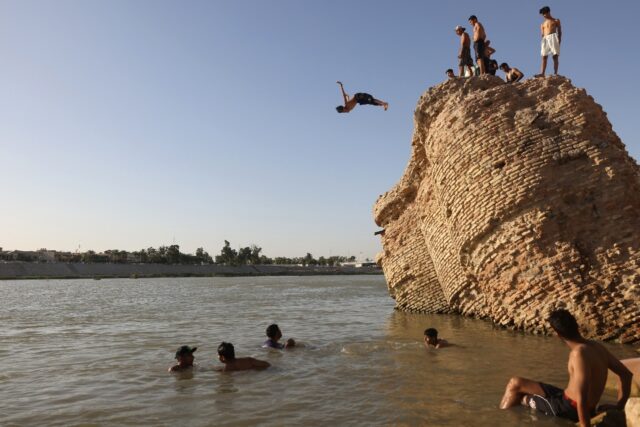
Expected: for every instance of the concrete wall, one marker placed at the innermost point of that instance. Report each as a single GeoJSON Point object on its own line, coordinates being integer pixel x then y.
{"type": "Point", "coordinates": [23, 270]}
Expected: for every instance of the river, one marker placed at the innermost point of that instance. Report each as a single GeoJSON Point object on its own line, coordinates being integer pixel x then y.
{"type": "Point", "coordinates": [96, 352]}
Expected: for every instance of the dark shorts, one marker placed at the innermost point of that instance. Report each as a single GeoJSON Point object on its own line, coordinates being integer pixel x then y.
{"type": "Point", "coordinates": [364, 99]}
{"type": "Point", "coordinates": [465, 57]}
{"type": "Point", "coordinates": [478, 47]}
{"type": "Point", "coordinates": [554, 402]}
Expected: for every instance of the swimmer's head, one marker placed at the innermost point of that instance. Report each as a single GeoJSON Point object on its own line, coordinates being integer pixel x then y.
{"type": "Point", "coordinates": [450, 74]}
{"type": "Point", "coordinates": [273, 332]}
{"type": "Point", "coordinates": [431, 336]}
{"type": "Point", "coordinates": [226, 352]}
{"type": "Point", "coordinates": [290, 343]}
{"type": "Point", "coordinates": [340, 108]}
{"type": "Point", "coordinates": [184, 355]}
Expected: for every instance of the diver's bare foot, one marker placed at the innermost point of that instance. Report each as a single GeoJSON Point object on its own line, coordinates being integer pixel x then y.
{"type": "Point", "coordinates": [385, 105]}
{"type": "Point", "coordinates": [539, 75]}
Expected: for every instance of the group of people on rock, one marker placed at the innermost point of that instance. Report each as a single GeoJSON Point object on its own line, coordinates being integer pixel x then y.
{"type": "Point", "coordinates": [550, 30]}
{"type": "Point", "coordinates": [588, 367]}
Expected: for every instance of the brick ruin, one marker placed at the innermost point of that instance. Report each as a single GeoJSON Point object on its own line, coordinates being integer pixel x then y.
{"type": "Point", "coordinates": [517, 199]}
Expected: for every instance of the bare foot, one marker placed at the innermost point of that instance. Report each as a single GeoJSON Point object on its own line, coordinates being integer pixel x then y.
{"type": "Point", "coordinates": [386, 105]}
{"type": "Point", "coordinates": [539, 75]}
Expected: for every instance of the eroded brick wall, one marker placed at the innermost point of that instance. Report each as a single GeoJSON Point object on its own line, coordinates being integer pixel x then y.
{"type": "Point", "coordinates": [517, 199]}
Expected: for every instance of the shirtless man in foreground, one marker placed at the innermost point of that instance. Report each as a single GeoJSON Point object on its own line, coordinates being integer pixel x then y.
{"type": "Point", "coordinates": [464, 54]}
{"type": "Point", "coordinates": [358, 99]}
{"type": "Point", "coordinates": [551, 32]}
{"type": "Point", "coordinates": [479, 36]}
{"type": "Point", "coordinates": [227, 355]}
{"type": "Point", "coordinates": [588, 364]}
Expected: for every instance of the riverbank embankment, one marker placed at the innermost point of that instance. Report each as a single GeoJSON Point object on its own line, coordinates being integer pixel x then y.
{"type": "Point", "coordinates": [28, 270]}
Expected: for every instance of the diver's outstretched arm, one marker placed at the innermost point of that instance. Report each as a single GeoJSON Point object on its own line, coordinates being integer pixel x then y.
{"type": "Point", "coordinates": [344, 94]}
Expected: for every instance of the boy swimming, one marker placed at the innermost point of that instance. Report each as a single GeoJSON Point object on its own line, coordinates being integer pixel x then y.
{"type": "Point", "coordinates": [227, 355]}
{"type": "Point", "coordinates": [431, 339]}
{"type": "Point", "coordinates": [184, 356]}
{"type": "Point", "coordinates": [274, 334]}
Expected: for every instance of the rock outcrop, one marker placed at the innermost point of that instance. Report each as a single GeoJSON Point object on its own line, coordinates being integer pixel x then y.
{"type": "Point", "coordinates": [517, 199]}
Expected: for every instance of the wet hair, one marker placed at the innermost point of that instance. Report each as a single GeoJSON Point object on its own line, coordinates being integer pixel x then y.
{"type": "Point", "coordinates": [226, 349]}
{"type": "Point", "coordinates": [504, 65]}
{"type": "Point", "coordinates": [473, 17]}
{"type": "Point", "coordinates": [431, 333]}
{"type": "Point", "coordinates": [272, 330]}
{"type": "Point", "coordinates": [545, 10]}
{"type": "Point", "coordinates": [564, 324]}
{"type": "Point", "coordinates": [340, 109]}
{"type": "Point", "coordinates": [448, 71]}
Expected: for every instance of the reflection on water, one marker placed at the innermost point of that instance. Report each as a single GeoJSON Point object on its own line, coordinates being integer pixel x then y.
{"type": "Point", "coordinates": [96, 352]}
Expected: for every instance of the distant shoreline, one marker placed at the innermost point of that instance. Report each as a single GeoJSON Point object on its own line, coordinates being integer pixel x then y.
{"type": "Point", "coordinates": [35, 271]}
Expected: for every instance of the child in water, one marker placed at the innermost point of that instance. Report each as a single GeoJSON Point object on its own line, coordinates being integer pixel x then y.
{"type": "Point", "coordinates": [274, 334]}
{"type": "Point", "coordinates": [431, 339]}
{"type": "Point", "coordinates": [184, 356]}
{"type": "Point", "coordinates": [227, 355]}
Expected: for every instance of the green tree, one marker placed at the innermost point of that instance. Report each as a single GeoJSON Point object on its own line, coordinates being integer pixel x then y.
{"type": "Point", "coordinates": [227, 255]}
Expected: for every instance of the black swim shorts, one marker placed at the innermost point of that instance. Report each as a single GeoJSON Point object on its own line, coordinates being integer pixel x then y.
{"type": "Point", "coordinates": [364, 99]}
{"type": "Point", "coordinates": [478, 46]}
{"type": "Point", "coordinates": [465, 57]}
{"type": "Point", "coordinates": [554, 402]}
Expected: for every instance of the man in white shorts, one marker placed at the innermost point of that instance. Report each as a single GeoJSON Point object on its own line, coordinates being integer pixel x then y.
{"type": "Point", "coordinates": [551, 37]}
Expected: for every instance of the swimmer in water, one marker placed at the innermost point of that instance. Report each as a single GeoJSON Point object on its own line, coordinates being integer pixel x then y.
{"type": "Point", "coordinates": [227, 355]}
{"type": "Point", "coordinates": [274, 334]}
{"type": "Point", "coordinates": [184, 356]}
{"type": "Point", "coordinates": [431, 339]}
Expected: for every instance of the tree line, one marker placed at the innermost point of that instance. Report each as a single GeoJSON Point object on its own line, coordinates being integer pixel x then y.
{"type": "Point", "coordinates": [249, 255]}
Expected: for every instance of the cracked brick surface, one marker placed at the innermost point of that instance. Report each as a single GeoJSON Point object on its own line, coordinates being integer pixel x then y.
{"type": "Point", "coordinates": [517, 199]}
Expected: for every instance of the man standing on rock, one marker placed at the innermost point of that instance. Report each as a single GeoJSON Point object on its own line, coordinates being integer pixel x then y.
{"type": "Point", "coordinates": [479, 36]}
{"type": "Point", "coordinates": [464, 55]}
{"type": "Point", "coordinates": [588, 364]}
{"type": "Point", "coordinates": [551, 32]}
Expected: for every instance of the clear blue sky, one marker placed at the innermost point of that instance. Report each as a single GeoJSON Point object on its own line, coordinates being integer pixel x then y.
{"type": "Point", "coordinates": [128, 124]}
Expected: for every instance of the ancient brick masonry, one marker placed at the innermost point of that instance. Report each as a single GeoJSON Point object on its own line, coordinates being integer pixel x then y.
{"type": "Point", "coordinates": [517, 199]}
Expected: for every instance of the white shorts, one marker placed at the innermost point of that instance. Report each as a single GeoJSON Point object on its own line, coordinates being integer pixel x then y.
{"type": "Point", "coordinates": [550, 45]}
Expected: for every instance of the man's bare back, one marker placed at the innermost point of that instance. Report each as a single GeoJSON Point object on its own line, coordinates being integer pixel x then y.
{"type": "Point", "coordinates": [588, 363]}
{"type": "Point", "coordinates": [244, 364]}
{"type": "Point", "coordinates": [550, 26]}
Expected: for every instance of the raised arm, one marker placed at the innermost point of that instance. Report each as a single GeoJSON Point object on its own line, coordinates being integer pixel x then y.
{"type": "Point", "coordinates": [344, 94]}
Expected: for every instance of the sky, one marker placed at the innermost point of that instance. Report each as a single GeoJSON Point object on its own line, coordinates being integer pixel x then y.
{"type": "Point", "coordinates": [129, 124]}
